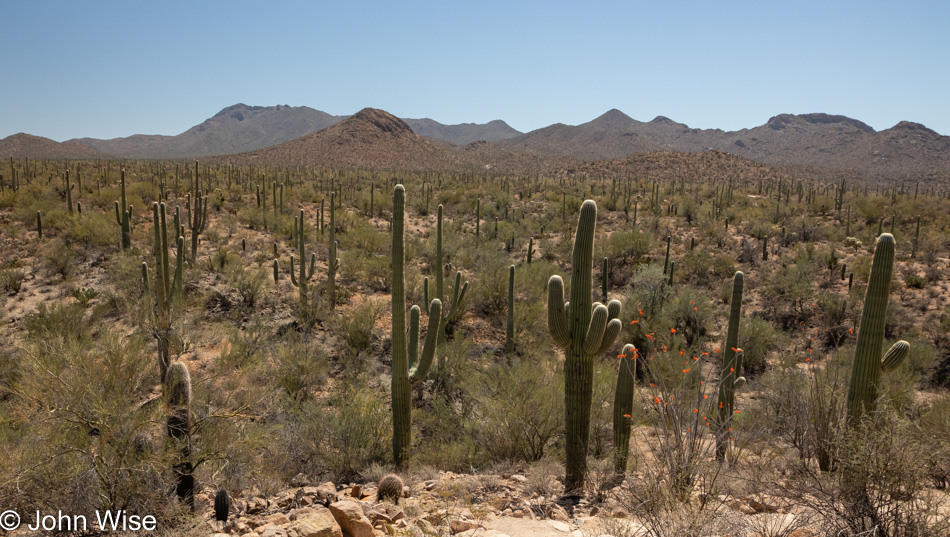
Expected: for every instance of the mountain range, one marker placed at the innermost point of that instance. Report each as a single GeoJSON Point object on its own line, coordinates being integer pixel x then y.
{"type": "Point", "coordinates": [377, 139]}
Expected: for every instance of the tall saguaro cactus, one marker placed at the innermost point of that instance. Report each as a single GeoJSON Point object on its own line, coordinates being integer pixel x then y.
{"type": "Point", "coordinates": [868, 363]}
{"type": "Point", "coordinates": [453, 309]}
{"type": "Point", "coordinates": [305, 273]}
{"type": "Point", "coordinates": [584, 329]}
{"type": "Point", "coordinates": [408, 366]}
{"type": "Point", "coordinates": [123, 217]}
{"type": "Point", "coordinates": [623, 407]}
{"type": "Point", "coordinates": [729, 379]}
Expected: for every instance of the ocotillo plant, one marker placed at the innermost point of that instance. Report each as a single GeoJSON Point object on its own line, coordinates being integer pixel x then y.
{"type": "Point", "coordinates": [584, 330]}
{"type": "Point", "coordinates": [305, 274]}
{"type": "Point", "coordinates": [729, 379]}
{"type": "Point", "coordinates": [868, 364]}
{"type": "Point", "coordinates": [124, 217]}
{"type": "Point", "coordinates": [623, 407]}
{"type": "Point", "coordinates": [178, 428]}
{"type": "Point", "coordinates": [407, 367]}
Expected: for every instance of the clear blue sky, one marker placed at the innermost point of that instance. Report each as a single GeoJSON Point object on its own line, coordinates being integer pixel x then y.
{"type": "Point", "coordinates": [107, 69]}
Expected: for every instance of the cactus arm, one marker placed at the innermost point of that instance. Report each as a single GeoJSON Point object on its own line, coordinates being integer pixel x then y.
{"type": "Point", "coordinates": [313, 263]}
{"type": "Point", "coordinates": [614, 326]}
{"type": "Point", "coordinates": [596, 329]}
{"type": "Point", "coordinates": [413, 349]}
{"type": "Point", "coordinates": [557, 318]}
{"type": "Point", "coordinates": [428, 350]}
{"type": "Point", "coordinates": [425, 294]}
{"type": "Point", "coordinates": [895, 356]}
{"type": "Point", "coordinates": [293, 275]}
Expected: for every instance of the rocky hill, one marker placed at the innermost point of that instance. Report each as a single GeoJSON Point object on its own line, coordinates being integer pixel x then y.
{"type": "Point", "coordinates": [818, 140]}
{"type": "Point", "coordinates": [375, 139]}
{"type": "Point", "coordinates": [241, 128]}
{"type": "Point", "coordinates": [36, 147]}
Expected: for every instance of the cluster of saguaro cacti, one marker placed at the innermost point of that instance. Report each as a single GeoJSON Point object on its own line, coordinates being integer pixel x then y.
{"type": "Point", "coordinates": [868, 363]}
{"type": "Point", "coordinates": [584, 329]}
{"type": "Point", "coordinates": [167, 286]}
{"type": "Point", "coordinates": [197, 215]}
{"type": "Point", "coordinates": [300, 282]}
{"type": "Point", "coordinates": [729, 379]}
{"type": "Point", "coordinates": [408, 365]}
{"type": "Point", "coordinates": [623, 407]}
{"type": "Point", "coordinates": [178, 428]}
{"type": "Point", "coordinates": [123, 217]}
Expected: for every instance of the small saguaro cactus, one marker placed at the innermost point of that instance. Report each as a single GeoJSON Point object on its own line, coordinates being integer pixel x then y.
{"type": "Point", "coordinates": [178, 428]}
{"type": "Point", "coordinates": [530, 249]}
{"type": "Point", "coordinates": [305, 273]}
{"type": "Point", "coordinates": [123, 217]}
{"type": "Point", "coordinates": [729, 379]}
{"type": "Point", "coordinates": [408, 366]}
{"type": "Point", "coordinates": [39, 225]}
{"type": "Point", "coordinates": [334, 262]}
{"type": "Point", "coordinates": [510, 330]}
{"type": "Point", "coordinates": [623, 407]}
{"type": "Point", "coordinates": [868, 363]}
{"type": "Point", "coordinates": [584, 329]}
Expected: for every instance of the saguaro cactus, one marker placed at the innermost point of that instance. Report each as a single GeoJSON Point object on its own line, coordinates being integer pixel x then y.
{"type": "Point", "coordinates": [623, 407]}
{"type": "Point", "coordinates": [305, 274]}
{"type": "Point", "coordinates": [178, 428]}
{"type": "Point", "coordinates": [408, 367]}
{"type": "Point", "coordinates": [868, 363]}
{"type": "Point", "coordinates": [729, 379]}
{"type": "Point", "coordinates": [123, 217]}
{"type": "Point", "coordinates": [583, 329]}
{"type": "Point", "coordinates": [510, 330]}
{"type": "Point", "coordinates": [334, 262]}
{"type": "Point", "coordinates": [452, 310]}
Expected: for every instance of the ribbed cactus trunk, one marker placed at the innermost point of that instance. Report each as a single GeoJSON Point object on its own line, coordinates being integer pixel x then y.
{"type": "Point", "coordinates": [178, 428]}
{"type": "Point", "coordinates": [583, 334]}
{"type": "Point", "coordinates": [405, 352]}
{"type": "Point", "coordinates": [510, 329]}
{"type": "Point", "coordinates": [623, 407]}
{"type": "Point", "coordinates": [868, 363]}
{"type": "Point", "coordinates": [333, 263]}
{"type": "Point", "coordinates": [123, 216]}
{"type": "Point", "coordinates": [731, 369]}
{"type": "Point", "coordinates": [401, 395]}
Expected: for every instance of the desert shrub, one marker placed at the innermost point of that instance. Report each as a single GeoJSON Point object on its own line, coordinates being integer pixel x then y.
{"type": "Point", "coordinates": [519, 410]}
{"type": "Point", "coordinates": [301, 367]}
{"type": "Point", "coordinates": [649, 290]}
{"type": "Point", "coordinates": [250, 284]}
{"type": "Point", "coordinates": [691, 312]}
{"type": "Point", "coordinates": [757, 338]}
{"type": "Point", "coordinates": [357, 329]}
{"type": "Point", "coordinates": [11, 279]}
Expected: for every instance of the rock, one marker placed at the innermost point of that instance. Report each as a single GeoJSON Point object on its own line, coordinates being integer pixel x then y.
{"type": "Point", "coordinates": [301, 512]}
{"type": "Point", "coordinates": [801, 532]}
{"type": "Point", "coordinates": [459, 526]}
{"type": "Point", "coordinates": [356, 492]}
{"type": "Point", "coordinates": [763, 503]}
{"type": "Point", "coordinates": [277, 519]}
{"type": "Point", "coordinates": [556, 512]}
{"type": "Point", "coordinates": [349, 515]}
{"type": "Point", "coordinates": [559, 526]}
{"type": "Point", "coordinates": [319, 524]}
{"type": "Point", "coordinates": [518, 478]}
{"type": "Point", "coordinates": [300, 480]}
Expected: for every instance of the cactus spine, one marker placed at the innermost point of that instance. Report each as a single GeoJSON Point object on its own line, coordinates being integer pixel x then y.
{"type": "Point", "coordinates": [305, 274]}
{"type": "Point", "coordinates": [407, 366]}
{"type": "Point", "coordinates": [868, 364]}
{"type": "Point", "coordinates": [178, 428]}
{"type": "Point", "coordinates": [584, 330]}
{"type": "Point", "coordinates": [623, 407]}
{"type": "Point", "coordinates": [731, 369]}
{"type": "Point", "coordinates": [123, 217]}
